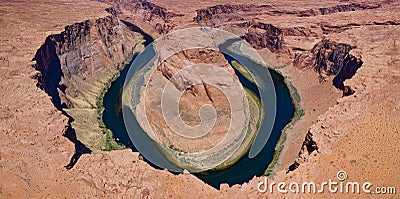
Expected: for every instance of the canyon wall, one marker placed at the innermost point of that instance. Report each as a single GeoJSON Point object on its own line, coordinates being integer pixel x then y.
{"type": "Point", "coordinates": [329, 58]}
{"type": "Point", "coordinates": [261, 35]}
{"type": "Point", "coordinates": [218, 14]}
{"type": "Point", "coordinates": [76, 65]}
{"type": "Point", "coordinates": [156, 20]}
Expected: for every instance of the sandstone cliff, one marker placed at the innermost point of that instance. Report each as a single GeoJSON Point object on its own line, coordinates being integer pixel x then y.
{"type": "Point", "coordinates": [261, 35]}
{"type": "Point", "coordinates": [146, 14]}
{"type": "Point", "coordinates": [75, 65]}
{"type": "Point", "coordinates": [219, 14]}
{"type": "Point", "coordinates": [214, 15]}
{"type": "Point", "coordinates": [329, 58]}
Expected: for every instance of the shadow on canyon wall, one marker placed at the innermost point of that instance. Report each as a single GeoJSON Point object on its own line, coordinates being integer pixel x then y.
{"type": "Point", "coordinates": [148, 39]}
{"type": "Point", "coordinates": [49, 66]}
{"type": "Point", "coordinates": [51, 72]}
{"type": "Point", "coordinates": [80, 148]}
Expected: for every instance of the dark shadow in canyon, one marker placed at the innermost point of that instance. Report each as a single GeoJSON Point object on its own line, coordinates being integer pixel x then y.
{"type": "Point", "coordinates": [348, 70]}
{"type": "Point", "coordinates": [148, 39]}
{"type": "Point", "coordinates": [48, 79]}
{"type": "Point", "coordinates": [330, 58]}
{"type": "Point", "coordinates": [80, 148]}
{"type": "Point", "coordinates": [49, 66]}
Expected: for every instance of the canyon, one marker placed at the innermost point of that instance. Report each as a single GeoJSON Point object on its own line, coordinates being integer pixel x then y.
{"type": "Point", "coordinates": [341, 59]}
{"type": "Point", "coordinates": [74, 67]}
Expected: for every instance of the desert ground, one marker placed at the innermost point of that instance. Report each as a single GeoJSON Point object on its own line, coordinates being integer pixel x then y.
{"type": "Point", "coordinates": [341, 56]}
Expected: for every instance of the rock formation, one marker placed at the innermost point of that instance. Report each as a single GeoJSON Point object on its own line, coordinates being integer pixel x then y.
{"type": "Point", "coordinates": [347, 8]}
{"type": "Point", "coordinates": [143, 12]}
{"type": "Point", "coordinates": [75, 65]}
{"type": "Point", "coordinates": [192, 99]}
{"type": "Point", "coordinates": [214, 15]}
{"type": "Point", "coordinates": [262, 35]}
{"type": "Point", "coordinates": [329, 58]}
{"type": "Point", "coordinates": [214, 84]}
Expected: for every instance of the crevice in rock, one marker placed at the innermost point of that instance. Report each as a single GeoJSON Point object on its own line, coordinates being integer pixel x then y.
{"type": "Point", "coordinates": [48, 79]}
{"type": "Point", "coordinates": [208, 93]}
{"type": "Point", "coordinates": [293, 167]}
{"type": "Point", "coordinates": [80, 148]}
{"type": "Point", "coordinates": [309, 146]}
{"type": "Point", "coordinates": [50, 73]}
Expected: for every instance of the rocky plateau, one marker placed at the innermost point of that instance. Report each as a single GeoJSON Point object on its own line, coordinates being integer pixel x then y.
{"type": "Point", "coordinates": [57, 58]}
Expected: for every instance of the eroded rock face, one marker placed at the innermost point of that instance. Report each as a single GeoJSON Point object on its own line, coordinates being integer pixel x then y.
{"type": "Point", "coordinates": [261, 35]}
{"type": "Point", "coordinates": [219, 14]}
{"type": "Point", "coordinates": [299, 31]}
{"type": "Point", "coordinates": [309, 144]}
{"type": "Point", "coordinates": [329, 58]}
{"type": "Point", "coordinates": [138, 10]}
{"type": "Point", "coordinates": [210, 16]}
{"type": "Point", "coordinates": [149, 10]}
{"type": "Point", "coordinates": [308, 147]}
{"type": "Point", "coordinates": [347, 8]}
{"type": "Point", "coordinates": [81, 49]}
{"type": "Point", "coordinates": [75, 64]}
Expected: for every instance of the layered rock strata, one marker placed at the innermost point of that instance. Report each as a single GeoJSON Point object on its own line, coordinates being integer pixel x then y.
{"type": "Point", "coordinates": [75, 67]}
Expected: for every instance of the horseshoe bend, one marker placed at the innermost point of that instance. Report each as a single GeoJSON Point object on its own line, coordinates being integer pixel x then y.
{"type": "Point", "coordinates": [145, 99]}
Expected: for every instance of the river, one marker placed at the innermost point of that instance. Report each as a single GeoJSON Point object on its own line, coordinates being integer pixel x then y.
{"type": "Point", "coordinates": [246, 168]}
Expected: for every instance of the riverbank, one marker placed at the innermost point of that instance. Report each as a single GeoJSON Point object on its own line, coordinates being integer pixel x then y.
{"type": "Point", "coordinates": [110, 142]}
{"type": "Point", "coordinates": [255, 116]}
{"type": "Point", "coordinates": [298, 113]}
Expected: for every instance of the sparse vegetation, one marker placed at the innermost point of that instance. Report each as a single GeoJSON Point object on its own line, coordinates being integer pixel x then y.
{"type": "Point", "coordinates": [110, 143]}
{"type": "Point", "coordinates": [242, 70]}
{"type": "Point", "coordinates": [299, 112]}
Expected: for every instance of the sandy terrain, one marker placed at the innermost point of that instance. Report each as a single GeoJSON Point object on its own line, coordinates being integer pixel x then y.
{"type": "Point", "coordinates": [358, 133]}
